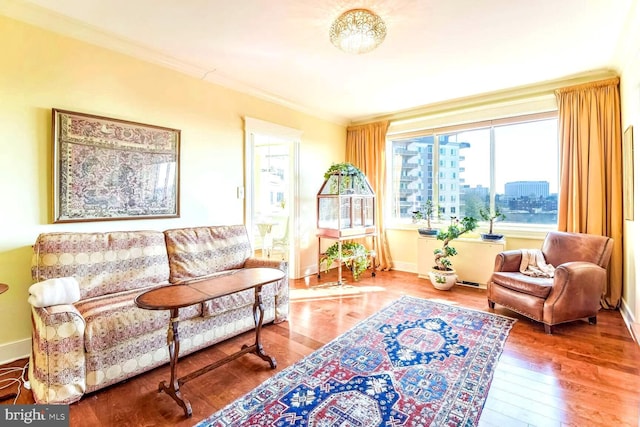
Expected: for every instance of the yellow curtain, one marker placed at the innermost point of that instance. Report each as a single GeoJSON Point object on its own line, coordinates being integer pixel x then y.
{"type": "Point", "coordinates": [591, 169]}
{"type": "Point", "coordinates": [366, 149]}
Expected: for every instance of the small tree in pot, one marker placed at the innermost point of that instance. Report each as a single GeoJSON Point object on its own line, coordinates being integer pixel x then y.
{"type": "Point", "coordinates": [443, 275]}
{"type": "Point", "coordinates": [427, 213]}
{"type": "Point", "coordinates": [491, 217]}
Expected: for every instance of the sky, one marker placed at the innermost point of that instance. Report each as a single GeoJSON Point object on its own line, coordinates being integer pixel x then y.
{"type": "Point", "coordinates": [524, 152]}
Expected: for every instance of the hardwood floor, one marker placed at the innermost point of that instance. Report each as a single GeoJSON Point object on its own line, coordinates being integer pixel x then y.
{"type": "Point", "coordinates": [583, 375]}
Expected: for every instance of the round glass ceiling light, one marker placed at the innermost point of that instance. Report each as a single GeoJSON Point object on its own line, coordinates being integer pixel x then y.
{"type": "Point", "coordinates": [357, 31]}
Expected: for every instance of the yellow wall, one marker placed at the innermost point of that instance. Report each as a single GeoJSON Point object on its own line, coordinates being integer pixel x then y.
{"type": "Point", "coordinates": [42, 70]}
{"type": "Point", "coordinates": [403, 244]}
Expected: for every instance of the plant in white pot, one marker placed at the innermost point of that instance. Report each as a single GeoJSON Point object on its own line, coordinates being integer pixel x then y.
{"type": "Point", "coordinates": [491, 217]}
{"type": "Point", "coordinates": [442, 275]}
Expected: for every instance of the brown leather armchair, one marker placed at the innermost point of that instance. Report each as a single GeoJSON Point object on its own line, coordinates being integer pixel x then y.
{"type": "Point", "coordinates": [574, 293]}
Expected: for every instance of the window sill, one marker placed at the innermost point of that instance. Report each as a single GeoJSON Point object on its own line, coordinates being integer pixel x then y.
{"type": "Point", "coordinates": [524, 231]}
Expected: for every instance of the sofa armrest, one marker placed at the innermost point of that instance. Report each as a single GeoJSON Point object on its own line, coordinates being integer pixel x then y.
{"type": "Point", "coordinates": [576, 292]}
{"type": "Point", "coordinates": [508, 261]}
{"type": "Point", "coordinates": [57, 371]}
{"type": "Point", "coordinates": [282, 286]}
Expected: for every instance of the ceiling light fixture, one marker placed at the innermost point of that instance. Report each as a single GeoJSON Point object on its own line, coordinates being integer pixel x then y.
{"type": "Point", "coordinates": [357, 31]}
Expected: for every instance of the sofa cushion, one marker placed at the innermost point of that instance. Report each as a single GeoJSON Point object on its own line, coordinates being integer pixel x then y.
{"type": "Point", "coordinates": [114, 319]}
{"type": "Point", "coordinates": [102, 263]}
{"type": "Point", "coordinates": [536, 286]}
{"type": "Point", "coordinates": [200, 252]}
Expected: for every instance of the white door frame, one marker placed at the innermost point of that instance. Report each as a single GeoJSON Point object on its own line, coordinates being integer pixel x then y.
{"type": "Point", "coordinates": [260, 127]}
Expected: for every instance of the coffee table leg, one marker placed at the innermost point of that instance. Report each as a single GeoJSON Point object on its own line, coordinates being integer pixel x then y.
{"type": "Point", "coordinates": [258, 317]}
{"type": "Point", "coordinates": [173, 342]}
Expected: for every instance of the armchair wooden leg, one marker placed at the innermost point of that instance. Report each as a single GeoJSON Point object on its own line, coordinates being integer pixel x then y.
{"type": "Point", "coordinates": [593, 320]}
{"type": "Point", "coordinates": [548, 329]}
{"type": "Point", "coordinates": [491, 304]}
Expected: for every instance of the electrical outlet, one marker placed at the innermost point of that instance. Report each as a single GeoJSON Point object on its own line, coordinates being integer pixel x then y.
{"type": "Point", "coordinates": [240, 192]}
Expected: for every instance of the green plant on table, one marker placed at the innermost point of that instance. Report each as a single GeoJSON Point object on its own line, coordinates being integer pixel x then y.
{"type": "Point", "coordinates": [491, 216]}
{"type": "Point", "coordinates": [354, 255]}
{"type": "Point", "coordinates": [427, 212]}
{"type": "Point", "coordinates": [350, 177]}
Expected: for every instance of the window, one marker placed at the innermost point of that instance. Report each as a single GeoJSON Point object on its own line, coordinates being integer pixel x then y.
{"type": "Point", "coordinates": [511, 164]}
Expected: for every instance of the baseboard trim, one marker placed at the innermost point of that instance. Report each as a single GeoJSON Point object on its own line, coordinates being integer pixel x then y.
{"type": "Point", "coordinates": [629, 320]}
{"type": "Point", "coordinates": [15, 350]}
{"type": "Point", "coordinates": [407, 267]}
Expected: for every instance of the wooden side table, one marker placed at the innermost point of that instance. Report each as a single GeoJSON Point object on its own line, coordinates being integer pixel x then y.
{"type": "Point", "coordinates": [174, 297]}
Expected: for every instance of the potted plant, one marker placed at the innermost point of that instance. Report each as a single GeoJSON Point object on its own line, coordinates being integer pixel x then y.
{"type": "Point", "coordinates": [354, 255]}
{"type": "Point", "coordinates": [442, 275]}
{"type": "Point", "coordinates": [427, 212]}
{"type": "Point", "coordinates": [491, 216]}
{"type": "Point", "coordinates": [350, 177]}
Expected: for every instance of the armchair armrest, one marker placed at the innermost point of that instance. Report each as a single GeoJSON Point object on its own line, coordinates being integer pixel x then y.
{"type": "Point", "coordinates": [57, 370]}
{"type": "Point", "coordinates": [576, 292]}
{"type": "Point", "coordinates": [508, 261]}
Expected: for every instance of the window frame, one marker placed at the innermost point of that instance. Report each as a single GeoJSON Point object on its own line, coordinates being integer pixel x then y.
{"type": "Point", "coordinates": [523, 230]}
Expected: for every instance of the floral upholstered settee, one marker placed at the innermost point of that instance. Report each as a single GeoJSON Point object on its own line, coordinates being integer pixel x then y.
{"type": "Point", "coordinates": [103, 338]}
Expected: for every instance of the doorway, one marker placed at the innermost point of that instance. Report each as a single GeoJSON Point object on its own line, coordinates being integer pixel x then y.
{"type": "Point", "coordinates": [271, 202]}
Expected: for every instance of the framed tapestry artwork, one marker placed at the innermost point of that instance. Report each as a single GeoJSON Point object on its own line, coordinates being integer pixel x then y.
{"type": "Point", "coordinates": [110, 169]}
{"type": "Point", "coordinates": [627, 172]}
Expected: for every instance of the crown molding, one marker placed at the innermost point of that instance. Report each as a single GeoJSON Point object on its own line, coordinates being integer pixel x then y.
{"type": "Point", "coordinates": [37, 16]}
{"type": "Point", "coordinates": [512, 95]}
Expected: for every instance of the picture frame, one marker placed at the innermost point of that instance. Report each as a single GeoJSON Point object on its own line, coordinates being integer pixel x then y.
{"type": "Point", "coordinates": [628, 173]}
{"type": "Point", "coordinates": [110, 169]}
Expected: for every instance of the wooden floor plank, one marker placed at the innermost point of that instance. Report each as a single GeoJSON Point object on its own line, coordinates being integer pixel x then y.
{"type": "Point", "coordinates": [582, 375]}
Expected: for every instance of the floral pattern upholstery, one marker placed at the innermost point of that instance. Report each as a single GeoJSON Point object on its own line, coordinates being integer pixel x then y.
{"type": "Point", "coordinates": [103, 263]}
{"type": "Point", "coordinates": [200, 252]}
{"type": "Point", "coordinates": [105, 338]}
{"type": "Point", "coordinates": [204, 251]}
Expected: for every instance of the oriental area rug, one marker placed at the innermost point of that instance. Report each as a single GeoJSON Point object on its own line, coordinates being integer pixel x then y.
{"type": "Point", "coordinates": [414, 363]}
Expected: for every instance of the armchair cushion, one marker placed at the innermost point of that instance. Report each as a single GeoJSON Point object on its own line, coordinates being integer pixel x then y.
{"type": "Point", "coordinates": [537, 286]}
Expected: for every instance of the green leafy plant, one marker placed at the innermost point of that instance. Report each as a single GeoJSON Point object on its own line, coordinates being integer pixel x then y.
{"type": "Point", "coordinates": [491, 216]}
{"type": "Point", "coordinates": [350, 177]}
{"type": "Point", "coordinates": [355, 256]}
{"type": "Point", "coordinates": [456, 229]}
{"type": "Point", "coordinates": [426, 212]}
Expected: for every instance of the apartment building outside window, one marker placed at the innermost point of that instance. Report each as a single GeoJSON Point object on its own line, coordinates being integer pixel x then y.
{"type": "Point", "coordinates": [511, 164]}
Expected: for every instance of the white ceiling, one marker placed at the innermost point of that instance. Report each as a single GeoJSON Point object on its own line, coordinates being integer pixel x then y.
{"type": "Point", "coordinates": [435, 50]}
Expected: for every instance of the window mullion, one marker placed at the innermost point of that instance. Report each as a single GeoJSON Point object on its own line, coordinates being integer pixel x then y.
{"type": "Point", "coordinates": [492, 169]}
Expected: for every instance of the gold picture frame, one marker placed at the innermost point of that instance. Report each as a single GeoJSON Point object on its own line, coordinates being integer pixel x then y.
{"type": "Point", "coordinates": [627, 172]}
{"type": "Point", "coordinates": [109, 169]}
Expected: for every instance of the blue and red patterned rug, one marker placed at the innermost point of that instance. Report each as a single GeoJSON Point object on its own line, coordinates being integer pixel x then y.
{"type": "Point", "coordinates": [414, 363]}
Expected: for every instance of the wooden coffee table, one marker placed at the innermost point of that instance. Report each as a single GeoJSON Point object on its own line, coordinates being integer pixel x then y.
{"type": "Point", "coordinates": [174, 297]}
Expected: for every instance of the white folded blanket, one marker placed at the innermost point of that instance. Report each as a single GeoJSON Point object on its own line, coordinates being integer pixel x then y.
{"type": "Point", "coordinates": [534, 264]}
{"type": "Point", "coordinates": [62, 290]}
